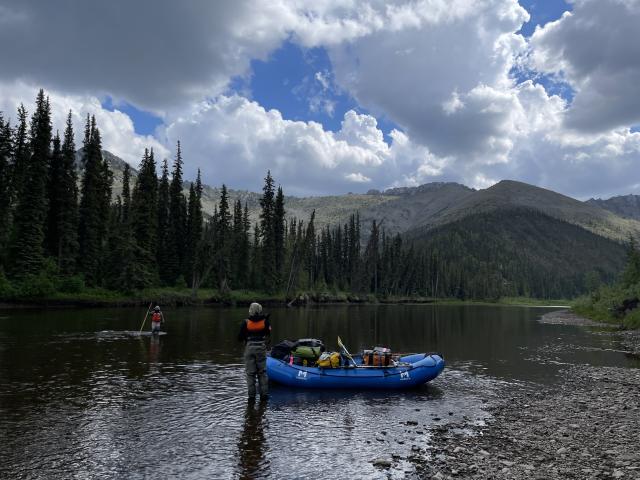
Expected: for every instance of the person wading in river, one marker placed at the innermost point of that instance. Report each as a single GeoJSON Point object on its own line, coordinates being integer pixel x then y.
{"type": "Point", "coordinates": [255, 331]}
{"type": "Point", "coordinates": [156, 320]}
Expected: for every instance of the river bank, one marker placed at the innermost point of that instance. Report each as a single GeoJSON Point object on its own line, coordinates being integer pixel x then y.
{"type": "Point", "coordinates": [585, 425]}
{"type": "Point", "coordinates": [629, 339]}
{"type": "Point", "coordinates": [179, 297]}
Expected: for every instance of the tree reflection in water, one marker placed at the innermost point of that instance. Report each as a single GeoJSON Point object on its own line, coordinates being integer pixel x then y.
{"type": "Point", "coordinates": [251, 445]}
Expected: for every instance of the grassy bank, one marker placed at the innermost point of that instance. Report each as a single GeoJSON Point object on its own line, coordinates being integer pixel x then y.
{"type": "Point", "coordinates": [509, 301]}
{"type": "Point", "coordinates": [99, 297]}
{"type": "Point", "coordinates": [604, 306]}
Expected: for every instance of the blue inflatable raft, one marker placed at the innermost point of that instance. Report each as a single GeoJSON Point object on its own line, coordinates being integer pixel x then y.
{"type": "Point", "coordinates": [409, 371]}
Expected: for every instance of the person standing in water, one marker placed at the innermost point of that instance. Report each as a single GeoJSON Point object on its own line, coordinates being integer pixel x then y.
{"type": "Point", "coordinates": [156, 320]}
{"type": "Point", "coordinates": [255, 331]}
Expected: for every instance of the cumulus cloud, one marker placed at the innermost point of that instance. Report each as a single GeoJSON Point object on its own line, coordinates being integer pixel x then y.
{"type": "Point", "coordinates": [440, 73]}
{"type": "Point", "coordinates": [235, 141]}
{"type": "Point", "coordinates": [156, 54]}
{"type": "Point", "coordinates": [116, 128]}
{"type": "Point", "coordinates": [596, 49]}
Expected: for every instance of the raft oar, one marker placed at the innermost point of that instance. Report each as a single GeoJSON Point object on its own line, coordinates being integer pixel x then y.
{"type": "Point", "coordinates": [346, 352]}
{"type": "Point", "coordinates": [145, 317]}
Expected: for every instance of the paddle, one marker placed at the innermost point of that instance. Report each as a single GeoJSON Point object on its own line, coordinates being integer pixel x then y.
{"type": "Point", "coordinates": [145, 317]}
{"type": "Point", "coordinates": [346, 352]}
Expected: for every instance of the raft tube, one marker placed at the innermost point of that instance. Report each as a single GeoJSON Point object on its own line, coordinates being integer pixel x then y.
{"type": "Point", "coordinates": [411, 371]}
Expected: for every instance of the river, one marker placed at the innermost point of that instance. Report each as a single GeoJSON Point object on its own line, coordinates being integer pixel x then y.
{"type": "Point", "coordinates": [81, 396]}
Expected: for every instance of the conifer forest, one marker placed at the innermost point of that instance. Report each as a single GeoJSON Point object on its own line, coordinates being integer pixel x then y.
{"type": "Point", "coordinates": [64, 229]}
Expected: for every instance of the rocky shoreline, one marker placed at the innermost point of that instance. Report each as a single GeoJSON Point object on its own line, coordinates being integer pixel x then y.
{"type": "Point", "coordinates": [586, 425]}
{"type": "Point", "coordinates": [630, 339]}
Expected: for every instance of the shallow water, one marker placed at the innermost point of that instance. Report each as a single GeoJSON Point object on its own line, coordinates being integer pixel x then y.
{"type": "Point", "coordinates": [82, 395]}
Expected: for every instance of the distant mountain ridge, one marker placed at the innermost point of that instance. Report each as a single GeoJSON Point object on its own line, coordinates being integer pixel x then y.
{"type": "Point", "coordinates": [627, 206]}
{"type": "Point", "coordinates": [434, 205]}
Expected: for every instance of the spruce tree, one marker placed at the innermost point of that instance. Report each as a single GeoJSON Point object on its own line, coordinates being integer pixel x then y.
{"type": "Point", "coordinates": [21, 156]}
{"type": "Point", "coordinates": [52, 240]}
{"type": "Point", "coordinates": [122, 264]}
{"type": "Point", "coordinates": [6, 152]}
{"type": "Point", "coordinates": [27, 246]}
{"type": "Point", "coordinates": [144, 223]}
{"type": "Point", "coordinates": [163, 227]}
{"type": "Point", "coordinates": [256, 277]}
{"type": "Point", "coordinates": [223, 236]}
{"type": "Point", "coordinates": [68, 201]}
{"type": "Point", "coordinates": [62, 242]}
{"type": "Point", "coordinates": [177, 223]}
{"type": "Point", "coordinates": [309, 250]}
{"type": "Point", "coordinates": [245, 248]}
{"type": "Point", "coordinates": [236, 240]}
{"type": "Point", "coordinates": [278, 235]}
{"type": "Point", "coordinates": [94, 209]}
{"type": "Point", "coordinates": [194, 231]}
{"type": "Point", "coordinates": [267, 231]}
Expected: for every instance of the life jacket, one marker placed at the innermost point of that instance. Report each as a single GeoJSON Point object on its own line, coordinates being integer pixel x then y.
{"type": "Point", "coordinates": [156, 317]}
{"type": "Point", "coordinates": [256, 326]}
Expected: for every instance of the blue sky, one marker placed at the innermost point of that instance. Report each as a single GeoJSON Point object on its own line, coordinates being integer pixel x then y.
{"type": "Point", "coordinates": [287, 81]}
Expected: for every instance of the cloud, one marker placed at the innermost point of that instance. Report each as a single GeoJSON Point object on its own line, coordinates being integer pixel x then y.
{"type": "Point", "coordinates": [116, 128]}
{"type": "Point", "coordinates": [156, 54]}
{"type": "Point", "coordinates": [235, 141]}
{"type": "Point", "coordinates": [441, 73]}
{"type": "Point", "coordinates": [357, 178]}
{"type": "Point", "coordinates": [596, 49]}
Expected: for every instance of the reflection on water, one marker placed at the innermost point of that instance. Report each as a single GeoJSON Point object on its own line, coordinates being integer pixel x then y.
{"type": "Point", "coordinates": [251, 445]}
{"type": "Point", "coordinates": [82, 394]}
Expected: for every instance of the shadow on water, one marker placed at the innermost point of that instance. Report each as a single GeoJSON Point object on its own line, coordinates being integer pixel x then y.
{"type": "Point", "coordinates": [81, 391]}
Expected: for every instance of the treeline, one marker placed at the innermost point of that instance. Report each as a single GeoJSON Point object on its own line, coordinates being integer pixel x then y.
{"type": "Point", "coordinates": [618, 303]}
{"type": "Point", "coordinates": [62, 230]}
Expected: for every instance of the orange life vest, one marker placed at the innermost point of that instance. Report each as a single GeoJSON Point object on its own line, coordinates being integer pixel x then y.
{"type": "Point", "coordinates": [156, 317]}
{"type": "Point", "coordinates": [255, 326]}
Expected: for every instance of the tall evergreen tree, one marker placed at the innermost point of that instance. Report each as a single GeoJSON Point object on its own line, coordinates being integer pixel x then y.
{"type": "Point", "coordinates": [223, 236]}
{"type": "Point", "coordinates": [122, 267]}
{"type": "Point", "coordinates": [372, 253]}
{"type": "Point", "coordinates": [177, 223]}
{"type": "Point", "coordinates": [62, 242]}
{"type": "Point", "coordinates": [278, 235]}
{"type": "Point", "coordinates": [244, 249]}
{"type": "Point", "coordinates": [6, 152]}
{"type": "Point", "coordinates": [21, 155]}
{"type": "Point", "coordinates": [144, 222]}
{"type": "Point", "coordinates": [163, 253]}
{"type": "Point", "coordinates": [195, 226]}
{"type": "Point", "coordinates": [255, 268]}
{"type": "Point", "coordinates": [267, 231]}
{"type": "Point", "coordinates": [68, 202]}
{"type": "Point", "coordinates": [310, 251]}
{"type": "Point", "coordinates": [52, 239]}
{"type": "Point", "coordinates": [94, 211]}
{"type": "Point", "coordinates": [27, 249]}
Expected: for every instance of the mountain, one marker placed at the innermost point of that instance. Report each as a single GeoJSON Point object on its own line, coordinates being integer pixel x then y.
{"type": "Point", "coordinates": [627, 206]}
{"type": "Point", "coordinates": [517, 251]}
{"type": "Point", "coordinates": [512, 194]}
{"type": "Point", "coordinates": [429, 206]}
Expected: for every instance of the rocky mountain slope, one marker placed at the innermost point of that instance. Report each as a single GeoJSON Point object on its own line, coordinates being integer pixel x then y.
{"type": "Point", "coordinates": [434, 205]}
{"type": "Point", "coordinates": [627, 206]}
